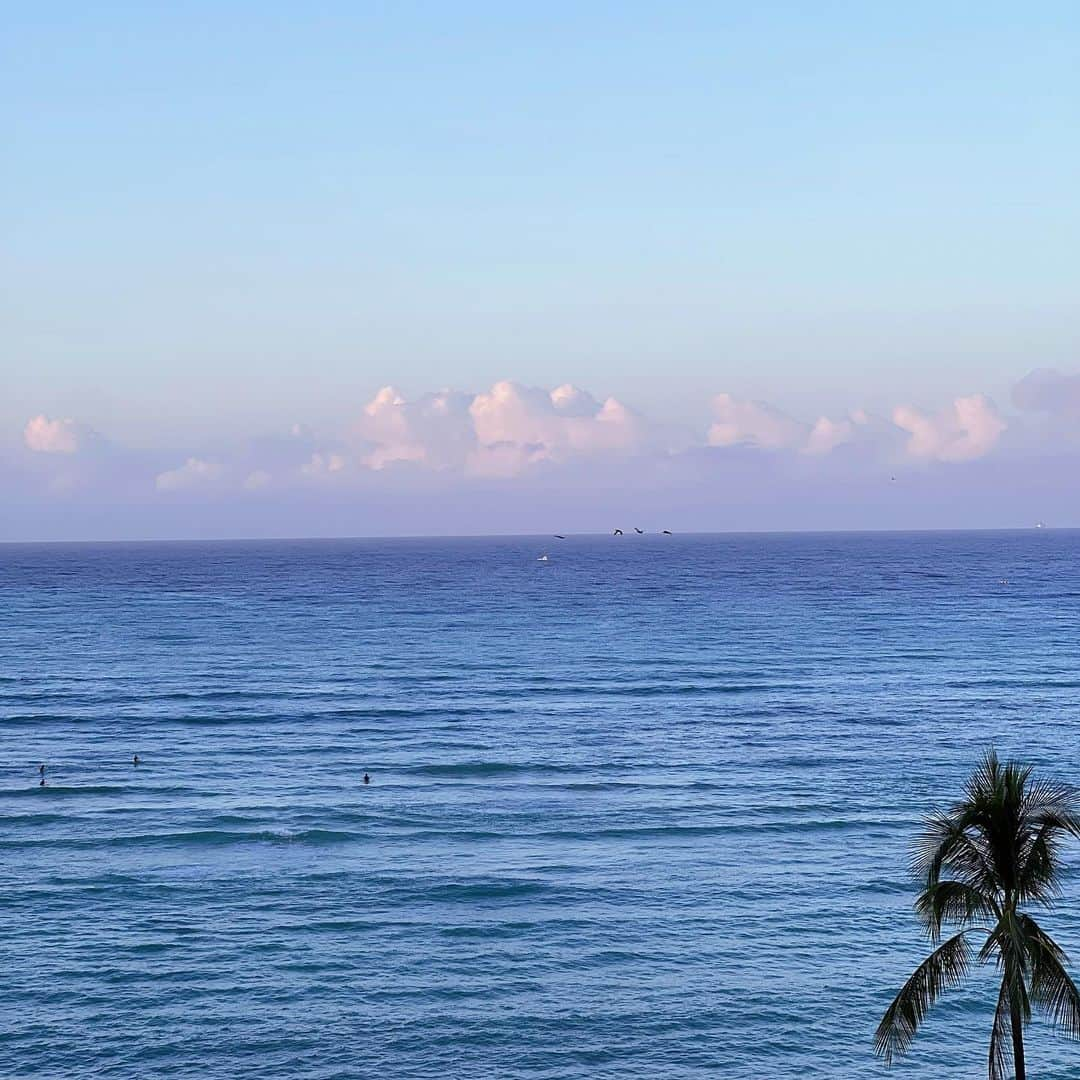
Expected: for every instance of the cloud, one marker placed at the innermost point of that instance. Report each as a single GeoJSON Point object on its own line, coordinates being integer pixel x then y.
{"type": "Point", "coordinates": [566, 422]}
{"type": "Point", "coordinates": [752, 423]}
{"type": "Point", "coordinates": [1049, 391]}
{"type": "Point", "coordinates": [964, 432]}
{"type": "Point", "coordinates": [761, 426]}
{"type": "Point", "coordinates": [434, 430]}
{"type": "Point", "coordinates": [563, 447]}
{"type": "Point", "coordinates": [826, 435]}
{"type": "Point", "coordinates": [500, 432]}
{"type": "Point", "coordinates": [194, 474]}
{"type": "Point", "coordinates": [45, 436]}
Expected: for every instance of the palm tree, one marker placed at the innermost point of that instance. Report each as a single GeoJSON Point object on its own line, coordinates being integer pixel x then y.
{"type": "Point", "coordinates": [980, 862]}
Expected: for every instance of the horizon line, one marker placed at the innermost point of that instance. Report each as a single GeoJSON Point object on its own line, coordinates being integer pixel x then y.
{"type": "Point", "coordinates": [535, 535]}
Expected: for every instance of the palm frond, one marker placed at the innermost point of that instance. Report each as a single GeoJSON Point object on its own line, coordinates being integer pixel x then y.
{"type": "Point", "coordinates": [1007, 944]}
{"type": "Point", "coordinates": [949, 841]}
{"type": "Point", "coordinates": [1000, 1041]}
{"type": "Point", "coordinates": [1050, 818]}
{"type": "Point", "coordinates": [956, 902]}
{"type": "Point", "coordinates": [945, 967]}
{"type": "Point", "coordinates": [1051, 987]}
{"type": "Point", "coordinates": [1045, 798]}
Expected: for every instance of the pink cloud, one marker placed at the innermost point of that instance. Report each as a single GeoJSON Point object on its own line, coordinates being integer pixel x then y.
{"type": "Point", "coordinates": [45, 436]}
{"type": "Point", "coordinates": [434, 430]}
{"type": "Point", "coordinates": [967, 430]}
{"type": "Point", "coordinates": [826, 435]}
{"type": "Point", "coordinates": [502, 431]}
{"type": "Point", "coordinates": [752, 423]}
{"type": "Point", "coordinates": [565, 422]}
{"type": "Point", "coordinates": [761, 426]}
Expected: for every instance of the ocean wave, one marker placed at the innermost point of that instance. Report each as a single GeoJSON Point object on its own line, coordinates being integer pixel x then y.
{"type": "Point", "coordinates": [196, 838]}
{"type": "Point", "coordinates": [51, 790]}
{"type": "Point", "coordinates": [482, 768]}
{"type": "Point", "coordinates": [458, 892]}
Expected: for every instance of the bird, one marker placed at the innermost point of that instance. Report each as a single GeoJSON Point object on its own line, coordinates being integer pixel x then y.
{"type": "Point", "coordinates": [893, 479]}
{"type": "Point", "coordinates": [667, 532]}
{"type": "Point", "coordinates": [558, 536]}
{"type": "Point", "coordinates": [617, 532]}
{"type": "Point", "coordinates": [638, 531]}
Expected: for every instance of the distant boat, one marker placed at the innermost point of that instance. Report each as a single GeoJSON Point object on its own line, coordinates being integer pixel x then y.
{"type": "Point", "coordinates": [1040, 524]}
{"type": "Point", "coordinates": [543, 558]}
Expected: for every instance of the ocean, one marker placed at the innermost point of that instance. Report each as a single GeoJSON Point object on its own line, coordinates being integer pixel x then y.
{"type": "Point", "coordinates": [643, 809]}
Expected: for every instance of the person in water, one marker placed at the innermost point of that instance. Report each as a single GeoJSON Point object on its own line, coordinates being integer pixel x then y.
{"type": "Point", "coordinates": [41, 782]}
{"type": "Point", "coordinates": [41, 770]}
{"type": "Point", "coordinates": [367, 779]}
{"type": "Point", "coordinates": [135, 760]}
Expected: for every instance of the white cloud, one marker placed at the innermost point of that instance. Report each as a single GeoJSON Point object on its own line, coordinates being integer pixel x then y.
{"type": "Point", "coordinates": [195, 473]}
{"type": "Point", "coordinates": [967, 430]}
{"type": "Point", "coordinates": [762, 426]}
{"type": "Point", "coordinates": [45, 436]}
{"type": "Point", "coordinates": [752, 423]}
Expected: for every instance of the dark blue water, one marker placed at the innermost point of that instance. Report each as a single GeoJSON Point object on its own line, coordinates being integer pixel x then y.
{"type": "Point", "coordinates": [641, 810]}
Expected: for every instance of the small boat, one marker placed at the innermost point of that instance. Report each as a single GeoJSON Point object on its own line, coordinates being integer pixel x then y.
{"type": "Point", "coordinates": [543, 558]}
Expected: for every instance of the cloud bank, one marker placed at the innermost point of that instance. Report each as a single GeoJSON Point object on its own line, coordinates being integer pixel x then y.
{"type": "Point", "coordinates": [506, 453]}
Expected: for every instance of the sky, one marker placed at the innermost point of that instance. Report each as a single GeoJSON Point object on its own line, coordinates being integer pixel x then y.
{"type": "Point", "coordinates": [362, 268]}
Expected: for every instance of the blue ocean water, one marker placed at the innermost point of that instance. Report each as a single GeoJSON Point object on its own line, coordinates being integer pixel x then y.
{"type": "Point", "coordinates": [643, 809]}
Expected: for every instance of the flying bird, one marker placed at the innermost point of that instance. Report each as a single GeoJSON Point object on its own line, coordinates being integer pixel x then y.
{"type": "Point", "coordinates": [559, 536]}
{"type": "Point", "coordinates": [617, 532]}
{"type": "Point", "coordinates": [667, 532]}
{"type": "Point", "coordinates": [638, 531]}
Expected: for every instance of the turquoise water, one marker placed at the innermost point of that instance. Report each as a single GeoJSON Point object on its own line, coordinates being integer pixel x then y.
{"type": "Point", "coordinates": [641, 810]}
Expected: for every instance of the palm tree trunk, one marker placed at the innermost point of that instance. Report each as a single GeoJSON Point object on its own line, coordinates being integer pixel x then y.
{"type": "Point", "coordinates": [1017, 1037]}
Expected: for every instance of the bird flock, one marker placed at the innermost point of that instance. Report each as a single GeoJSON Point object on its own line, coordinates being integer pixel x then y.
{"type": "Point", "coordinates": [616, 532]}
{"type": "Point", "coordinates": [619, 532]}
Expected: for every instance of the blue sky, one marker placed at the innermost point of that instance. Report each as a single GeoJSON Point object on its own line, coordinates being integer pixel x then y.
{"type": "Point", "coordinates": [224, 219]}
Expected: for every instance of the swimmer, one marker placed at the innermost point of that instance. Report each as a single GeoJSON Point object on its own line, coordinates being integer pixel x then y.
{"type": "Point", "coordinates": [135, 760]}
{"type": "Point", "coordinates": [367, 779]}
